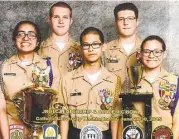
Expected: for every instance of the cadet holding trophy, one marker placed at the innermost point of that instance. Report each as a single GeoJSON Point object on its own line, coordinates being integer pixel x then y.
{"type": "Point", "coordinates": [24, 70]}
{"type": "Point", "coordinates": [163, 86]}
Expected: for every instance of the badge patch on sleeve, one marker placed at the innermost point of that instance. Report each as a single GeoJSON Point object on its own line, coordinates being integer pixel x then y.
{"type": "Point", "coordinates": [16, 131]}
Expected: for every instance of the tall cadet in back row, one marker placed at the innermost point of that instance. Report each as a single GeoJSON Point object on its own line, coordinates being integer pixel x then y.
{"type": "Point", "coordinates": [60, 47]}
{"type": "Point", "coordinates": [90, 87]}
{"type": "Point", "coordinates": [123, 51]}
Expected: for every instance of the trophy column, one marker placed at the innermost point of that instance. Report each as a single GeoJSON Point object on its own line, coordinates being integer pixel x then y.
{"type": "Point", "coordinates": [127, 100]}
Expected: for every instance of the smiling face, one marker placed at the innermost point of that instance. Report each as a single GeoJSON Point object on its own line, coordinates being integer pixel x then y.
{"type": "Point", "coordinates": [154, 58]}
{"type": "Point", "coordinates": [26, 38]}
{"type": "Point", "coordinates": [93, 53]}
{"type": "Point", "coordinates": [60, 20]}
{"type": "Point", "coordinates": [126, 23]}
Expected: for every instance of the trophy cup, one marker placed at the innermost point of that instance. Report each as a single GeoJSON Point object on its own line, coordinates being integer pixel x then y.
{"type": "Point", "coordinates": [135, 73]}
{"type": "Point", "coordinates": [32, 101]}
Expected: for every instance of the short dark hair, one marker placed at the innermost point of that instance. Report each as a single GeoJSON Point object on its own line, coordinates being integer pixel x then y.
{"type": "Point", "coordinates": [14, 34]}
{"type": "Point", "coordinates": [92, 30]}
{"type": "Point", "coordinates": [60, 4]}
{"type": "Point", "coordinates": [125, 6]}
{"type": "Point", "coordinates": [153, 37]}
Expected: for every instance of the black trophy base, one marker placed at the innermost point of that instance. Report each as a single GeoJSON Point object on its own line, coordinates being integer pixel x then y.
{"type": "Point", "coordinates": [127, 100]}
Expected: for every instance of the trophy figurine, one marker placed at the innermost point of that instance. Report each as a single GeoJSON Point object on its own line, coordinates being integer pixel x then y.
{"type": "Point", "coordinates": [32, 101]}
{"type": "Point", "coordinates": [135, 74]}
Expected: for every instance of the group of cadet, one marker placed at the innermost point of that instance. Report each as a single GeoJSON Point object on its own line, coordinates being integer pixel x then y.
{"type": "Point", "coordinates": [90, 74]}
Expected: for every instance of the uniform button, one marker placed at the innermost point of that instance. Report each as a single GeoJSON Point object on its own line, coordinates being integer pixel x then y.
{"type": "Point", "coordinates": [91, 102]}
{"type": "Point", "coordinates": [76, 102]}
{"type": "Point", "coordinates": [112, 68]}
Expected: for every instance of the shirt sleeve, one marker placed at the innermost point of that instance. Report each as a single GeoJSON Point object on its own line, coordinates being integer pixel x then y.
{"type": "Point", "coordinates": [117, 103]}
{"type": "Point", "coordinates": [62, 99]}
{"type": "Point", "coordinates": [1, 82]}
{"type": "Point", "coordinates": [56, 78]}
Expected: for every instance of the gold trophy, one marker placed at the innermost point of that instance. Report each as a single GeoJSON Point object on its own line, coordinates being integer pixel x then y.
{"type": "Point", "coordinates": [131, 94]}
{"type": "Point", "coordinates": [34, 100]}
{"type": "Point", "coordinates": [135, 73]}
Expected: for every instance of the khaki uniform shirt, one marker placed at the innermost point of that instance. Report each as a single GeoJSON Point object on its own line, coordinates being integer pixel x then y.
{"type": "Point", "coordinates": [66, 60]}
{"type": "Point", "coordinates": [80, 95]}
{"type": "Point", "coordinates": [163, 89]}
{"type": "Point", "coordinates": [117, 60]}
{"type": "Point", "coordinates": [17, 77]}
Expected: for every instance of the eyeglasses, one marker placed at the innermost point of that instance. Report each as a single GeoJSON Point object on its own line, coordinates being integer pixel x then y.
{"type": "Point", "coordinates": [30, 34]}
{"type": "Point", "coordinates": [86, 46]}
{"type": "Point", "coordinates": [157, 53]}
{"type": "Point", "coordinates": [130, 18]}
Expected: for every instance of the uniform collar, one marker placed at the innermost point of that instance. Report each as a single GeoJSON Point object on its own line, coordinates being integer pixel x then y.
{"type": "Point", "coordinates": [15, 59]}
{"type": "Point", "coordinates": [49, 43]}
{"type": "Point", "coordinates": [163, 74]}
{"type": "Point", "coordinates": [105, 74]}
{"type": "Point", "coordinates": [117, 45]}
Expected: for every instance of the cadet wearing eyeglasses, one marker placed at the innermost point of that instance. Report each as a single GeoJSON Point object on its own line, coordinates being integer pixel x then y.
{"type": "Point", "coordinates": [163, 85]}
{"type": "Point", "coordinates": [90, 87]}
{"type": "Point", "coordinates": [122, 51]}
{"type": "Point", "coordinates": [16, 73]}
{"type": "Point", "coordinates": [60, 47]}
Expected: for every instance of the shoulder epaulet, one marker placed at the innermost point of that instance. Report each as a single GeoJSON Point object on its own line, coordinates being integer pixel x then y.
{"type": "Point", "coordinates": [75, 45]}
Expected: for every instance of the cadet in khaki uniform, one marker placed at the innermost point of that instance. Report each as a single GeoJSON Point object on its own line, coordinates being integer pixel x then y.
{"type": "Point", "coordinates": [91, 87]}
{"type": "Point", "coordinates": [63, 51]}
{"type": "Point", "coordinates": [122, 52]}
{"type": "Point", "coordinates": [16, 73]}
{"type": "Point", "coordinates": [162, 84]}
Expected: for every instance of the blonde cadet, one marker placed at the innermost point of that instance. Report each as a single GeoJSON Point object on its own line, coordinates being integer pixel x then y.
{"type": "Point", "coordinates": [122, 52]}
{"type": "Point", "coordinates": [16, 73]}
{"type": "Point", "coordinates": [63, 51]}
{"type": "Point", "coordinates": [163, 85]}
{"type": "Point", "coordinates": [91, 87]}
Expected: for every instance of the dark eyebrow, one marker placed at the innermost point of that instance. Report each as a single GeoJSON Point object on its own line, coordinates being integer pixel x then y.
{"type": "Point", "coordinates": [92, 42]}
{"type": "Point", "coordinates": [25, 32]}
{"type": "Point", "coordinates": [20, 31]}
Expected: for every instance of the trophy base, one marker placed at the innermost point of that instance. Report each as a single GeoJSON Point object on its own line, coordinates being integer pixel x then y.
{"type": "Point", "coordinates": [127, 100]}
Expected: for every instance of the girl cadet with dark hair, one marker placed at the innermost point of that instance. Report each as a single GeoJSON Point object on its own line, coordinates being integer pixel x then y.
{"type": "Point", "coordinates": [17, 73]}
{"type": "Point", "coordinates": [162, 84]}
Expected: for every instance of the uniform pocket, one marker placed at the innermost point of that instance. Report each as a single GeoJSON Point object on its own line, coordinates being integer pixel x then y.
{"type": "Point", "coordinates": [76, 101]}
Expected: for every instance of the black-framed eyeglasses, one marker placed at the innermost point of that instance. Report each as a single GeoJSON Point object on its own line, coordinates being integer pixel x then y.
{"type": "Point", "coordinates": [86, 46]}
{"type": "Point", "coordinates": [156, 52]}
{"type": "Point", "coordinates": [30, 34]}
{"type": "Point", "coordinates": [129, 18]}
